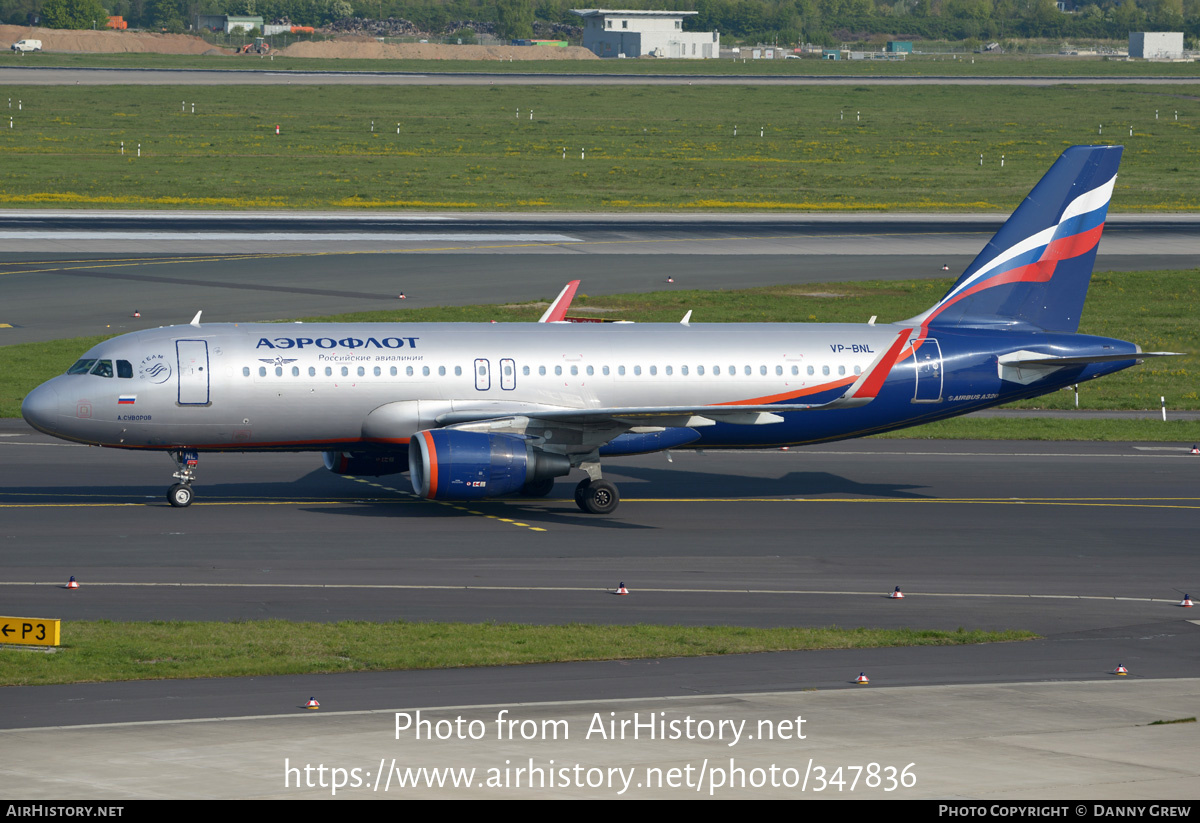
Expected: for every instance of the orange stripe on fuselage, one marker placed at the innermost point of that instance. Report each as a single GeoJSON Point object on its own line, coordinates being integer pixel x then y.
{"type": "Point", "coordinates": [779, 398]}
{"type": "Point", "coordinates": [431, 465]}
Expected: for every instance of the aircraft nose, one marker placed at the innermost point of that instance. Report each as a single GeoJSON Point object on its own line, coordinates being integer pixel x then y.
{"type": "Point", "coordinates": [40, 408]}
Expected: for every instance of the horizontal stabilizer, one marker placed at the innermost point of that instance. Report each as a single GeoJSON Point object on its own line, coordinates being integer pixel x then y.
{"type": "Point", "coordinates": [1083, 360]}
{"type": "Point", "coordinates": [1025, 367]}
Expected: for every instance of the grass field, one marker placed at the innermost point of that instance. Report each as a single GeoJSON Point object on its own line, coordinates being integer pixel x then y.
{"type": "Point", "coordinates": [646, 148]}
{"type": "Point", "coordinates": [102, 651]}
{"type": "Point", "coordinates": [1154, 309]}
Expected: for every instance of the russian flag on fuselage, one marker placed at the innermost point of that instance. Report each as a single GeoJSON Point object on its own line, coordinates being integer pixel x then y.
{"type": "Point", "coordinates": [1035, 271]}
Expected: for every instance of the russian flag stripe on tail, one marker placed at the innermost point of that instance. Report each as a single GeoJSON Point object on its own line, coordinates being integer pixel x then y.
{"type": "Point", "coordinates": [1035, 272]}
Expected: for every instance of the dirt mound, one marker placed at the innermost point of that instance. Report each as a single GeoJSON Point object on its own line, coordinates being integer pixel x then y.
{"type": "Point", "coordinates": [365, 48]}
{"type": "Point", "coordinates": [350, 47]}
{"type": "Point", "coordinates": [106, 41]}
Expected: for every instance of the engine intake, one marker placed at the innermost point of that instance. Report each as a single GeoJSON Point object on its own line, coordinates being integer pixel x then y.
{"type": "Point", "coordinates": [447, 464]}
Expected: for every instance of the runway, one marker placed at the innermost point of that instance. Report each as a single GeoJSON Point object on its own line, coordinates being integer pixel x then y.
{"type": "Point", "coordinates": [280, 74]}
{"type": "Point", "coordinates": [272, 267]}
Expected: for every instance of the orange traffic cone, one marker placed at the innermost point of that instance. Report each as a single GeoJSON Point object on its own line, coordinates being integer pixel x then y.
{"type": "Point", "coordinates": [897, 594]}
{"type": "Point", "coordinates": [71, 584]}
{"type": "Point", "coordinates": [622, 590]}
{"type": "Point", "coordinates": [862, 679]}
{"type": "Point", "coordinates": [312, 703]}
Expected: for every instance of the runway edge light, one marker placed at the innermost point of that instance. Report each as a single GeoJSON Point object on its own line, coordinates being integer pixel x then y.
{"type": "Point", "coordinates": [312, 703]}
{"type": "Point", "coordinates": [897, 594]}
{"type": "Point", "coordinates": [1186, 602]}
{"type": "Point", "coordinates": [621, 589]}
{"type": "Point", "coordinates": [1121, 670]}
{"type": "Point", "coordinates": [72, 583]}
{"type": "Point", "coordinates": [862, 679]}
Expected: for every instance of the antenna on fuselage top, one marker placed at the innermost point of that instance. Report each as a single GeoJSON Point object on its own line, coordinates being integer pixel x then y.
{"type": "Point", "coordinates": [196, 319]}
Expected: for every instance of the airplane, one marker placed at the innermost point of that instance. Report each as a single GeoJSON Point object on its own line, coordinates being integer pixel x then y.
{"type": "Point", "coordinates": [481, 410]}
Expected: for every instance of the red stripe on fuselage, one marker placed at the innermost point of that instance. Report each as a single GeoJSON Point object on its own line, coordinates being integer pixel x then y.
{"type": "Point", "coordinates": [871, 386]}
{"type": "Point", "coordinates": [1062, 249]}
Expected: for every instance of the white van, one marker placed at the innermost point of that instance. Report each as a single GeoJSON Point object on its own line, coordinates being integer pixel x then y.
{"type": "Point", "coordinates": [27, 45]}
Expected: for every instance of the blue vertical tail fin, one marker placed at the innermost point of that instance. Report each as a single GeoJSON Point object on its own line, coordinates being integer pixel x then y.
{"type": "Point", "coordinates": [1035, 272]}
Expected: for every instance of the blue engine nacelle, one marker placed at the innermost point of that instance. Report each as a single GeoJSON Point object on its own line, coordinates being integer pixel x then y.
{"type": "Point", "coordinates": [366, 464]}
{"type": "Point", "coordinates": [447, 464]}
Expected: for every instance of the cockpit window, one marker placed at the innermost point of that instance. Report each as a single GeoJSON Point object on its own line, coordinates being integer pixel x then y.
{"type": "Point", "coordinates": [103, 368]}
{"type": "Point", "coordinates": [124, 368]}
{"type": "Point", "coordinates": [81, 367]}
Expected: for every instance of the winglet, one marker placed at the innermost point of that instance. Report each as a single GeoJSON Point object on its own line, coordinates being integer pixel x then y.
{"type": "Point", "coordinates": [867, 386]}
{"type": "Point", "coordinates": [557, 313]}
{"type": "Point", "coordinates": [687, 319]}
{"type": "Point", "coordinates": [196, 319]}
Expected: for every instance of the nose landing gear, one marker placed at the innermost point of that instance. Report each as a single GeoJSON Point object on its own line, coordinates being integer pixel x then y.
{"type": "Point", "coordinates": [180, 495]}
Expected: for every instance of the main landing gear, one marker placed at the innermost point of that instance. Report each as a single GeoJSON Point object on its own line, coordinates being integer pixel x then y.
{"type": "Point", "coordinates": [596, 496]}
{"type": "Point", "coordinates": [180, 495]}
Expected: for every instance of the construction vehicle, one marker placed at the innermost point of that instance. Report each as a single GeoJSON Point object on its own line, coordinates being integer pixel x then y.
{"type": "Point", "coordinates": [259, 46]}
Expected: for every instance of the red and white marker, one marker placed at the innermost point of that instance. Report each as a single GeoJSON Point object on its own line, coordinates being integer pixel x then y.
{"type": "Point", "coordinates": [277, 129]}
{"type": "Point", "coordinates": [1186, 602]}
{"type": "Point", "coordinates": [401, 296]}
{"type": "Point", "coordinates": [897, 594]}
{"type": "Point", "coordinates": [137, 313]}
{"type": "Point", "coordinates": [312, 703]}
{"type": "Point", "coordinates": [862, 678]}
{"type": "Point", "coordinates": [1121, 670]}
{"type": "Point", "coordinates": [71, 584]}
{"type": "Point", "coordinates": [1195, 449]}
{"type": "Point", "coordinates": [622, 590]}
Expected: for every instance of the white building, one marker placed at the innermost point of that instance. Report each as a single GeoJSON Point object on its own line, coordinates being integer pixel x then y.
{"type": "Point", "coordinates": [1156, 45]}
{"type": "Point", "coordinates": [617, 33]}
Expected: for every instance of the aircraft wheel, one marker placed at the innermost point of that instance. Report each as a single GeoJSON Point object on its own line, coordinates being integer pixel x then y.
{"type": "Point", "coordinates": [601, 497]}
{"type": "Point", "coordinates": [538, 488]}
{"type": "Point", "coordinates": [180, 495]}
{"type": "Point", "coordinates": [581, 492]}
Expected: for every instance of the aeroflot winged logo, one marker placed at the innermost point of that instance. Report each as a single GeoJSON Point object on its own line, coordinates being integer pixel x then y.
{"type": "Point", "coordinates": [332, 343]}
{"type": "Point", "coordinates": [155, 368]}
